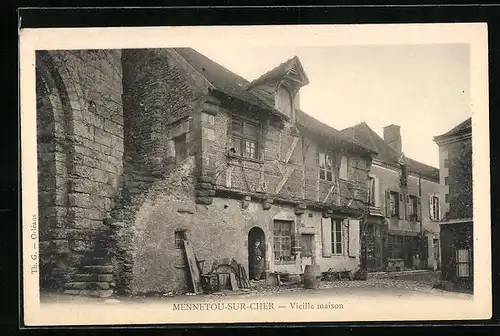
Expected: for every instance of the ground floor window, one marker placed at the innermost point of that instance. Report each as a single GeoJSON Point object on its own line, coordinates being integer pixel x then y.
{"type": "Point", "coordinates": [464, 263]}
{"type": "Point", "coordinates": [337, 236]}
{"type": "Point", "coordinates": [282, 246]}
{"type": "Point", "coordinates": [179, 237]}
{"type": "Point", "coordinates": [395, 247]}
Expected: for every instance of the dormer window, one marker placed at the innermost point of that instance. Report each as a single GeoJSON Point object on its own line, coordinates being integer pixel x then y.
{"type": "Point", "coordinates": [284, 101]}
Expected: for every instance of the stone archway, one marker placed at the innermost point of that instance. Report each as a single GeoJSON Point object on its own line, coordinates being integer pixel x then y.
{"type": "Point", "coordinates": [255, 234]}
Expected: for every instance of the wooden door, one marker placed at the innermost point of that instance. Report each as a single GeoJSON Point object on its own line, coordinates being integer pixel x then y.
{"type": "Point", "coordinates": [306, 254]}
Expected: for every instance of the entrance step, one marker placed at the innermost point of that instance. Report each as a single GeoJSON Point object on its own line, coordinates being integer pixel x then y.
{"type": "Point", "coordinates": [93, 277]}
{"type": "Point", "coordinates": [102, 293]}
{"type": "Point", "coordinates": [87, 285]}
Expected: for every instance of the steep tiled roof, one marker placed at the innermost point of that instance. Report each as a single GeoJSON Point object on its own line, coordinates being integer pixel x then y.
{"type": "Point", "coordinates": [221, 78]}
{"type": "Point", "coordinates": [462, 128]}
{"type": "Point", "coordinates": [323, 129]}
{"type": "Point", "coordinates": [235, 86]}
{"type": "Point", "coordinates": [385, 153]}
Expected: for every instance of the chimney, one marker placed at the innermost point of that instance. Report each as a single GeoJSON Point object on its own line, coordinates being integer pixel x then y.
{"type": "Point", "coordinates": [392, 136]}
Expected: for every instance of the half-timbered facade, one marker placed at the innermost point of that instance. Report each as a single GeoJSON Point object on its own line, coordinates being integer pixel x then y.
{"type": "Point", "coordinates": [261, 169]}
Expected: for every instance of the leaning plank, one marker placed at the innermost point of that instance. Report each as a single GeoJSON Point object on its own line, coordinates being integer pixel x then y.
{"type": "Point", "coordinates": [232, 279]}
{"type": "Point", "coordinates": [193, 268]}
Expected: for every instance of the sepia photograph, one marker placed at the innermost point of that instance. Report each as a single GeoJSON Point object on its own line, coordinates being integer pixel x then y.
{"type": "Point", "coordinates": [255, 174]}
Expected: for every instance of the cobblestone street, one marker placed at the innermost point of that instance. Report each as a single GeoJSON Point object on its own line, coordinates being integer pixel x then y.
{"type": "Point", "coordinates": [414, 284]}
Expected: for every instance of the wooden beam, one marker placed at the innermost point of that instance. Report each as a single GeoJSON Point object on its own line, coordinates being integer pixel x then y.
{"type": "Point", "coordinates": [229, 176]}
{"type": "Point", "coordinates": [292, 148]}
{"type": "Point", "coordinates": [329, 193]}
{"type": "Point", "coordinates": [287, 174]}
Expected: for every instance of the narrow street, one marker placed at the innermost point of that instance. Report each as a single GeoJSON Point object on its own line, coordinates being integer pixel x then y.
{"type": "Point", "coordinates": [415, 285]}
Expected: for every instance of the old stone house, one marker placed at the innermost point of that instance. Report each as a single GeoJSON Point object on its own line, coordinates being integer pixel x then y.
{"type": "Point", "coordinates": [402, 230]}
{"type": "Point", "coordinates": [455, 160]}
{"type": "Point", "coordinates": [140, 149]}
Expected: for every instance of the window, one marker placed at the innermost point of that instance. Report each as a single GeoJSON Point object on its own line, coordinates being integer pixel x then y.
{"type": "Point", "coordinates": [464, 264]}
{"type": "Point", "coordinates": [446, 182]}
{"type": "Point", "coordinates": [413, 207]}
{"type": "Point", "coordinates": [371, 191]}
{"type": "Point", "coordinates": [180, 148]}
{"type": "Point", "coordinates": [284, 101]}
{"type": "Point", "coordinates": [447, 198]}
{"type": "Point", "coordinates": [337, 236]}
{"type": "Point", "coordinates": [394, 204]}
{"type": "Point", "coordinates": [244, 139]}
{"type": "Point", "coordinates": [434, 207]}
{"type": "Point", "coordinates": [446, 162]}
{"type": "Point", "coordinates": [282, 242]}
{"type": "Point", "coordinates": [179, 236]}
{"type": "Point", "coordinates": [344, 168]}
{"type": "Point", "coordinates": [395, 247]}
{"type": "Point", "coordinates": [325, 166]}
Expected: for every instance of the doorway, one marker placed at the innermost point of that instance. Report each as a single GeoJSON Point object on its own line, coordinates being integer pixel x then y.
{"type": "Point", "coordinates": [255, 234]}
{"type": "Point", "coordinates": [306, 248]}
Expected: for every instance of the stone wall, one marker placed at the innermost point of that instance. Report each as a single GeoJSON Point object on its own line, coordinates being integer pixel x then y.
{"type": "Point", "coordinates": [80, 148]}
{"type": "Point", "coordinates": [460, 179]}
{"type": "Point", "coordinates": [160, 99]}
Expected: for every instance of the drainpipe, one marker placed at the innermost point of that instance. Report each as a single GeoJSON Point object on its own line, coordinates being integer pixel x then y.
{"type": "Point", "coordinates": [420, 214]}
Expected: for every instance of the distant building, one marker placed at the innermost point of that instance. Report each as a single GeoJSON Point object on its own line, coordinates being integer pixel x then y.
{"type": "Point", "coordinates": [402, 230]}
{"type": "Point", "coordinates": [455, 160]}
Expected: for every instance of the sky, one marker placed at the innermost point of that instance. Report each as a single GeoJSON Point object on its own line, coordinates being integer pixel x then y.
{"type": "Point", "coordinates": [422, 88]}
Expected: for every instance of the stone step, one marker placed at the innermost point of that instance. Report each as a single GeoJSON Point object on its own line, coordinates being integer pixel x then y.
{"type": "Point", "coordinates": [98, 269]}
{"type": "Point", "coordinates": [87, 285]}
{"type": "Point", "coordinates": [93, 277]}
{"type": "Point", "coordinates": [102, 293]}
{"type": "Point", "coordinates": [99, 261]}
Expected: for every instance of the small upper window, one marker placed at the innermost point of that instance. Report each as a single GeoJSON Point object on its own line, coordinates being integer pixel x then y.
{"type": "Point", "coordinates": [244, 139]}
{"type": "Point", "coordinates": [284, 101]}
{"type": "Point", "coordinates": [325, 166]}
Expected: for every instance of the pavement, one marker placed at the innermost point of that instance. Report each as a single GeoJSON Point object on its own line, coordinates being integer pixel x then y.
{"type": "Point", "coordinates": [410, 284]}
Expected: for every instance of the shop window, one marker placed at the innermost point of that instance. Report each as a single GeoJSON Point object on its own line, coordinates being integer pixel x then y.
{"type": "Point", "coordinates": [395, 247]}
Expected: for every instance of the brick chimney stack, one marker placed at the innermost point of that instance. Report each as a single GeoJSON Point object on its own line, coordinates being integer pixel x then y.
{"type": "Point", "coordinates": [392, 136]}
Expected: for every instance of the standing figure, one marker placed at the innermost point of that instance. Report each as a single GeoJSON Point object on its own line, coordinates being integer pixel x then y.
{"type": "Point", "coordinates": [258, 261]}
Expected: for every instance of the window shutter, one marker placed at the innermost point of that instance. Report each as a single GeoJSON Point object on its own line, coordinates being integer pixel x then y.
{"type": "Point", "coordinates": [438, 208]}
{"type": "Point", "coordinates": [402, 202]}
{"type": "Point", "coordinates": [408, 207]}
{"type": "Point", "coordinates": [353, 237]}
{"type": "Point", "coordinates": [326, 236]}
{"type": "Point", "coordinates": [377, 192]}
{"type": "Point", "coordinates": [419, 207]}
{"type": "Point", "coordinates": [387, 204]}
{"type": "Point", "coordinates": [431, 207]}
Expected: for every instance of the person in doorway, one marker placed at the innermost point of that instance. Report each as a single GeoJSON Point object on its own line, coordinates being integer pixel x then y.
{"type": "Point", "coordinates": [258, 260]}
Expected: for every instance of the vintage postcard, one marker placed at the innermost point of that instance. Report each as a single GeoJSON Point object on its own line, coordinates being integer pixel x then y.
{"type": "Point", "coordinates": [320, 173]}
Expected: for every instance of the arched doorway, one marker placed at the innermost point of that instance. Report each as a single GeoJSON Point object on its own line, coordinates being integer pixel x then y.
{"type": "Point", "coordinates": [256, 234]}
